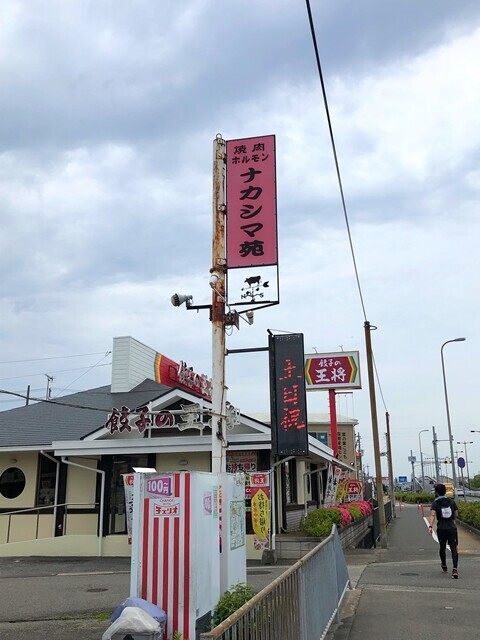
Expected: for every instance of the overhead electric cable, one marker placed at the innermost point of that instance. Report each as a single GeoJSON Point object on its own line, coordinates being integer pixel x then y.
{"type": "Point", "coordinates": [84, 373]}
{"type": "Point", "coordinates": [335, 157]}
{"type": "Point", "coordinates": [32, 375]}
{"type": "Point", "coordinates": [80, 355]}
{"type": "Point", "coordinates": [339, 177]}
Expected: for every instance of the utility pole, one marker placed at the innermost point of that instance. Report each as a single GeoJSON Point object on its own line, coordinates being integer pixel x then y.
{"type": "Point", "coordinates": [217, 282]}
{"type": "Point", "coordinates": [376, 445]}
{"type": "Point", "coordinates": [390, 463]}
{"type": "Point", "coordinates": [412, 461]}
{"type": "Point", "coordinates": [435, 453]}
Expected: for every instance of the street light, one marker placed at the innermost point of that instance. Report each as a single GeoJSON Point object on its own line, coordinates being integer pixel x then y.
{"type": "Point", "coordinates": [454, 474]}
{"type": "Point", "coordinates": [421, 457]}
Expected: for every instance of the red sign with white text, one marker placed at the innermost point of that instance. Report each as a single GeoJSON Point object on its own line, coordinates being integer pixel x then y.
{"type": "Point", "coordinates": [251, 203]}
{"type": "Point", "coordinates": [332, 370]}
{"type": "Point", "coordinates": [354, 487]}
{"type": "Point", "coordinates": [173, 374]}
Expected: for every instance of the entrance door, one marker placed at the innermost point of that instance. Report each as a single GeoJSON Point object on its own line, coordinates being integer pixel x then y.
{"type": "Point", "coordinates": [120, 466]}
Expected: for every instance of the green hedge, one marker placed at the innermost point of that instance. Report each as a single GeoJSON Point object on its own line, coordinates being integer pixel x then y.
{"type": "Point", "coordinates": [410, 497]}
{"type": "Point", "coordinates": [318, 523]}
{"type": "Point", "coordinates": [469, 512]}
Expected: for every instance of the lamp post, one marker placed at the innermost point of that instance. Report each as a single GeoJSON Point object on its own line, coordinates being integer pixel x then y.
{"type": "Point", "coordinates": [421, 456]}
{"type": "Point", "coordinates": [454, 474]}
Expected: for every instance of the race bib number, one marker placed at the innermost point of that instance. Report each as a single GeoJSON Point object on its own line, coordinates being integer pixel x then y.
{"type": "Point", "coordinates": [446, 512]}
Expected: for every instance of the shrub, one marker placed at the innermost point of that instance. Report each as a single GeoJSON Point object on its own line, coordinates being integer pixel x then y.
{"type": "Point", "coordinates": [231, 601]}
{"type": "Point", "coordinates": [365, 507]}
{"type": "Point", "coordinates": [410, 497]}
{"type": "Point", "coordinates": [336, 515]}
{"type": "Point", "coordinates": [354, 510]}
{"type": "Point", "coordinates": [318, 523]}
{"type": "Point", "coordinates": [469, 512]}
{"type": "Point", "coordinates": [346, 515]}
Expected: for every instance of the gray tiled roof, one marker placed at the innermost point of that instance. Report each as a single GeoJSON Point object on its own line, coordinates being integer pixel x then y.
{"type": "Point", "coordinates": [42, 423]}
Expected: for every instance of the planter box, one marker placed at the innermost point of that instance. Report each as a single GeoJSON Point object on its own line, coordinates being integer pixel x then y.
{"type": "Point", "coordinates": [291, 547]}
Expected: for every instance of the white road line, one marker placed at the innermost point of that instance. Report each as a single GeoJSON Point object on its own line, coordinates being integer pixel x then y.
{"type": "Point", "coordinates": [434, 534]}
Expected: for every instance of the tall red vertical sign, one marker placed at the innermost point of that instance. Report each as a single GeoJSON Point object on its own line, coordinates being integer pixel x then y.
{"type": "Point", "coordinates": [288, 395]}
{"type": "Point", "coordinates": [251, 203]}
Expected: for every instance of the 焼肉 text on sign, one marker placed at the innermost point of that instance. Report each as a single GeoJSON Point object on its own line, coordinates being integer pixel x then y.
{"type": "Point", "coordinates": [251, 202]}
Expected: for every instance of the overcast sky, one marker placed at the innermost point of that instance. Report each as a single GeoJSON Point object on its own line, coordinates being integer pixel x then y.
{"type": "Point", "coordinates": [109, 111]}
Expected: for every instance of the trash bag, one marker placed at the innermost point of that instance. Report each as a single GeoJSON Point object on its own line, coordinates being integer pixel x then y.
{"type": "Point", "coordinates": [132, 601]}
{"type": "Point", "coordinates": [134, 620]}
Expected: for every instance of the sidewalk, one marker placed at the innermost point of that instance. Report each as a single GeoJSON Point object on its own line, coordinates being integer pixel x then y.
{"type": "Point", "coordinates": [400, 592]}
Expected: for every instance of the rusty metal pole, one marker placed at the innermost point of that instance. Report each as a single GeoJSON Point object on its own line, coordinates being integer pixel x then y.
{"type": "Point", "coordinates": [217, 282]}
{"type": "Point", "coordinates": [376, 444]}
{"type": "Point", "coordinates": [390, 464]}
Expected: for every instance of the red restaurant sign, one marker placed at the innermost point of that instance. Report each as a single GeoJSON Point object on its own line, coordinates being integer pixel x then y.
{"type": "Point", "coordinates": [332, 370]}
{"type": "Point", "coordinates": [172, 374]}
{"type": "Point", "coordinates": [251, 203]}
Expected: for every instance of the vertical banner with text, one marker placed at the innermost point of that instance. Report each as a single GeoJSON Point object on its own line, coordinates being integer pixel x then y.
{"type": "Point", "coordinates": [251, 202]}
{"type": "Point", "coordinates": [288, 395]}
{"type": "Point", "coordinates": [257, 488]}
{"type": "Point", "coordinates": [251, 221]}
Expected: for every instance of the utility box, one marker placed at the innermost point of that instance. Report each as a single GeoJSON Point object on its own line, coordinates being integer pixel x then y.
{"type": "Point", "coordinates": [233, 558]}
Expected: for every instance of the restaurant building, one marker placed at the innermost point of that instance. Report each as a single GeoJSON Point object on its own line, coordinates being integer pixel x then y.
{"type": "Point", "coordinates": [63, 463]}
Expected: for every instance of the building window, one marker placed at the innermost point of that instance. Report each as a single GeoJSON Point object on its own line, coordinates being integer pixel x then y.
{"type": "Point", "coordinates": [47, 475]}
{"type": "Point", "coordinates": [12, 483]}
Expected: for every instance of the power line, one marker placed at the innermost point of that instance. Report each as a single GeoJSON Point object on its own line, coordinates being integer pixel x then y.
{"type": "Point", "coordinates": [335, 157]}
{"type": "Point", "coordinates": [54, 402]}
{"type": "Point", "coordinates": [339, 179]}
{"type": "Point", "coordinates": [97, 364]}
{"type": "Point", "coordinates": [80, 355]}
{"type": "Point", "coordinates": [32, 375]}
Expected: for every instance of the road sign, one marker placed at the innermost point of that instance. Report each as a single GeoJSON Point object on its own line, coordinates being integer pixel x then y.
{"type": "Point", "coordinates": [412, 459]}
{"type": "Point", "coordinates": [402, 478]}
{"type": "Point", "coordinates": [461, 462]}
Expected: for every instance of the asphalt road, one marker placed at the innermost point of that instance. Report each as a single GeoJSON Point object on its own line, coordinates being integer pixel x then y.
{"type": "Point", "coordinates": [73, 598]}
{"type": "Point", "coordinates": [57, 599]}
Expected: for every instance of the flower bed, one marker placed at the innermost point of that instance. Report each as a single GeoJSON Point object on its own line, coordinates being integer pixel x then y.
{"type": "Point", "coordinates": [318, 523]}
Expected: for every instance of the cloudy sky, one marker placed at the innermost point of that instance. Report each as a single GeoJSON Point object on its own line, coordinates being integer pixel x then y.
{"type": "Point", "coordinates": [109, 111]}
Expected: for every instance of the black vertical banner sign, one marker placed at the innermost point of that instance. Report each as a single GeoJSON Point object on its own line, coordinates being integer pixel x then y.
{"type": "Point", "coordinates": [288, 395]}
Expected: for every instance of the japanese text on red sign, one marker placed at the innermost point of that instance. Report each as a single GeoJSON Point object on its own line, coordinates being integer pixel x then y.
{"type": "Point", "coordinates": [251, 206]}
{"type": "Point", "coordinates": [292, 412]}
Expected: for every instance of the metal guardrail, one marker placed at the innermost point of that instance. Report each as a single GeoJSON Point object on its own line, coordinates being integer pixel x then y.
{"type": "Point", "coordinates": [301, 604]}
{"type": "Point", "coordinates": [52, 509]}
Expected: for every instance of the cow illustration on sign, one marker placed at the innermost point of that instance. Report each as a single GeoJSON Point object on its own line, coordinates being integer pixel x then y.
{"type": "Point", "coordinates": [252, 288]}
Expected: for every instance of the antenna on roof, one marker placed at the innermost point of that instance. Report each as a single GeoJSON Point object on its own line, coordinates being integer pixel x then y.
{"type": "Point", "coordinates": [48, 394]}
